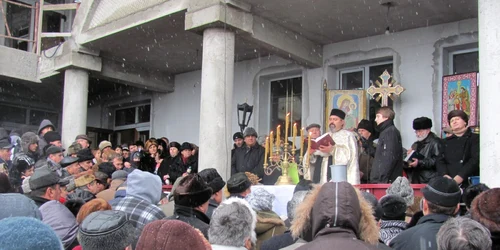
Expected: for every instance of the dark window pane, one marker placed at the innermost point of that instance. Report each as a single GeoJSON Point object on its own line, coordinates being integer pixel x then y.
{"type": "Point", "coordinates": [13, 114]}
{"type": "Point", "coordinates": [279, 100]}
{"type": "Point", "coordinates": [37, 116]}
{"type": "Point", "coordinates": [352, 80]}
{"type": "Point", "coordinates": [465, 63]}
{"type": "Point", "coordinates": [125, 116]}
{"type": "Point", "coordinates": [144, 113]}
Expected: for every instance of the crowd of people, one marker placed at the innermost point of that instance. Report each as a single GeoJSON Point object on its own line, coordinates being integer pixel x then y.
{"type": "Point", "coordinates": [112, 197]}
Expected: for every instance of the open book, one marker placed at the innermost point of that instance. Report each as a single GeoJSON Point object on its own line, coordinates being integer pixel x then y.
{"type": "Point", "coordinates": [414, 155]}
{"type": "Point", "coordinates": [324, 140]}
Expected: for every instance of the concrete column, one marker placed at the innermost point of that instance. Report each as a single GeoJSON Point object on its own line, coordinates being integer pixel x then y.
{"type": "Point", "coordinates": [217, 75]}
{"type": "Point", "coordinates": [74, 119]}
{"type": "Point", "coordinates": [489, 87]}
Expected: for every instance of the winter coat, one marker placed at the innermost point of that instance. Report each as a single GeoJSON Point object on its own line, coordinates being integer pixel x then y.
{"type": "Point", "coordinates": [193, 217]}
{"type": "Point", "coordinates": [461, 157]}
{"type": "Point", "coordinates": [248, 159]}
{"type": "Point", "coordinates": [421, 236]}
{"type": "Point", "coordinates": [39, 201]}
{"type": "Point", "coordinates": [366, 157]}
{"type": "Point", "coordinates": [334, 216]}
{"type": "Point", "coordinates": [269, 224]}
{"type": "Point", "coordinates": [278, 241]}
{"type": "Point", "coordinates": [432, 149]}
{"type": "Point", "coordinates": [388, 162]}
{"type": "Point", "coordinates": [42, 142]}
{"type": "Point", "coordinates": [212, 205]}
{"type": "Point", "coordinates": [61, 220]}
{"type": "Point", "coordinates": [148, 163]}
{"type": "Point", "coordinates": [164, 168]}
{"type": "Point", "coordinates": [178, 167]}
{"type": "Point", "coordinates": [109, 194]}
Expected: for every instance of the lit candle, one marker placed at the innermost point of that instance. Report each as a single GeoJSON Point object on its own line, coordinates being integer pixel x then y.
{"type": "Point", "coordinates": [271, 137]}
{"type": "Point", "coordinates": [267, 150]}
{"type": "Point", "coordinates": [278, 138]}
{"type": "Point", "coordinates": [309, 145]}
{"type": "Point", "coordinates": [287, 120]}
{"type": "Point", "coordinates": [302, 142]}
{"type": "Point", "coordinates": [294, 135]}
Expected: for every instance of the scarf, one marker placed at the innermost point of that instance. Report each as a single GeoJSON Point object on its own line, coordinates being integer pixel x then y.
{"type": "Point", "coordinates": [389, 229]}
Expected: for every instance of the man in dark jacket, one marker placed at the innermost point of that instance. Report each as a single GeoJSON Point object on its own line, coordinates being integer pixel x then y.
{"type": "Point", "coordinates": [429, 146]}
{"type": "Point", "coordinates": [238, 142]}
{"type": "Point", "coordinates": [441, 202]}
{"type": "Point", "coordinates": [186, 163]}
{"type": "Point", "coordinates": [214, 181]}
{"type": "Point", "coordinates": [388, 162]}
{"type": "Point", "coordinates": [45, 126]}
{"type": "Point", "coordinates": [367, 150]}
{"type": "Point", "coordinates": [191, 202]}
{"type": "Point", "coordinates": [250, 157]}
{"type": "Point", "coordinates": [461, 151]}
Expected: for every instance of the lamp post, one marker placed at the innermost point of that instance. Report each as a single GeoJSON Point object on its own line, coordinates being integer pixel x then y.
{"type": "Point", "coordinates": [245, 110]}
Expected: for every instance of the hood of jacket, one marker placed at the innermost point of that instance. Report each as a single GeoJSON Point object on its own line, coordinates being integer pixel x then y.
{"type": "Point", "coordinates": [45, 123]}
{"type": "Point", "coordinates": [267, 220]}
{"type": "Point", "coordinates": [334, 207]}
{"type": "Point", "coordinates": [145, 186]}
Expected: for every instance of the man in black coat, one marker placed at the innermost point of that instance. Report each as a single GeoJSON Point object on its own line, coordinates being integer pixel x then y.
{"type": "Point", "coordinates": [238, 142]}
{"type": "Point", "coordinates": [461, 151]}
{"type": "Point", "coordinates": [429, 146]}
{"type": "Point", "coordinates": [441, 202]}
{"type": "Point", "coordinates": [388, 162]}
{"type": "Point", "coordinates": [250, 157]}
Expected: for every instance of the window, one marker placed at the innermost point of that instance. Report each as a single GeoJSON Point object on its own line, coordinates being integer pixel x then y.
{"type": "Point", "coordinates": [133, 115]}
{"type": "Point", "coordinates": [286, 97]}
{"type": "Point", "coordinates": [37, 116]}
{"type": "Point", "coordinates": [464, 61]}
{"type": "Point", "coordinates": [13, 114]}
{"type": "Point", "coordinates": [362, 77]}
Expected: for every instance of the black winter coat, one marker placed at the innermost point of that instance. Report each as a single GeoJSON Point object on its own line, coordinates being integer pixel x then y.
{"type": "Point", "coordinates": [422, 236]}
{"type": "Point", "coordinates": [148, 163]}
{"type": "Point", "coordinates": [192, 217]}
{"type": "Point", "coordinates": [248, 159]}
{"type": "Point", "coordinates": [165, 167]}
{"type": "Point", "coordinates": [179, 167]}
{"type": "Point", "coordinates": [461, 157]}
{"type": "Point", "coordinates": [388, 162]}
{"type": "Point", "coordinates": [432, 149]}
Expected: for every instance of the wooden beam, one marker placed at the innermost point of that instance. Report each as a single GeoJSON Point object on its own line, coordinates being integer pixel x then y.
{"type": "Point", "coordinates": [18, 38]}
{"type": "Point", "coordinates": [19, 4]}
{"type": "Point", "coordinates": [65, 6]}
{"type": "Point", "coordinates": [56, 34]}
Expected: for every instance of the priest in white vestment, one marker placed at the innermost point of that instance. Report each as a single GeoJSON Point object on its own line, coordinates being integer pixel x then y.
{"type": "Point", "coordinates": [344, 152]}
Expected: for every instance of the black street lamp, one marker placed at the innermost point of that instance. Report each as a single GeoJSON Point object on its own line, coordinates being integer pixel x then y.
{"type": "Point", "coordinates": [244, 109]}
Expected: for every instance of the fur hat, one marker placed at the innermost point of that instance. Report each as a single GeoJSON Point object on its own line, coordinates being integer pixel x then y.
{"type": "Point", "coordinates": [484, 209]}
{"type": "Point", "coordinates": [458, 113]}
{"type": "Point", "coordinates": [213, 179]}
{"type": "Point", "coordinates": [366, 125]}
{"type": "Point", "coordinates": [84, 155]}
{"type": "Point", "coordinates": [14, 205]}
{"type": "Point", "coordinates": [51, 136]}
{"type": "Point", "coordinates": [186, 146]}
{"type": "Point", "coordinates": [393, 207]}
{"type": "Point", "coordinates": [442, 191]}
{"type": "Point", "coordinates": [170, 234]}
{"type": "Point", "coordinates": [238, 183]}
{"type": "Point", "coordinates": [297, 198]}
{"type": "Point", "coordinates": [27, 233]}
{"type": "Point", "coordinates": [422, 123]}
{"type": "Point", "coordinates": [175, 144]}
{"type": "Point", "coordinates": [250, 132]}
{"type": "Point", "coordinates": [232, 223]}
{"type": "Point", "coordinates": [174, 187]}
{"type": "Point", "coordinates": [313, 125]}
{"type": "Point", "coordinates": [192, 191]}
{"type": "Point", "coordinates": [237, 135]}
{"type": "Point", "coordinates": [261, 200]}
{"type": "Point", "coordinates": [27, 139]}
{"type": "Point", "coordinates": [339, 113]}
{"type": "Point", "coordinates": [108, 229]}
{"type": "Point", "coordinates": [74, 148]}
{"type": "Point", "coordinates": [401, 186]}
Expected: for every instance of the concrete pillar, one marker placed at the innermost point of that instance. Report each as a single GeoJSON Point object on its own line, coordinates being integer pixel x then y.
{"type": "Point", "coordinates": [489, 87]}
{"type": "Point", "coordinates": [74, 119]}
{"type": "Point", "coordinates": [217, 75]}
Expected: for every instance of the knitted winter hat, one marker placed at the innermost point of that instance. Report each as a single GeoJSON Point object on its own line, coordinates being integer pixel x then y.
{"type": "Point", "coordinates": [484, 209]}
{"type": "Point", "coordinates": [14, 205]}
{"type": "Point", "coordinates": [442, 191]}
{"type": "Point", "coordinates": [237, 135]}
{"type": "Point", "coordinates": [104, 144]}
{"type": "Point", "coordinates": [339, 113]}
{"type": "Point", "coordinates": [422, 123]}
{"type": "Point", "coordinates": [213, 179]}
{"type": "Point", "coordinates": [170, 234]}
{"type": "Point", "coordinates": [367, 125]}
{"type": "Point", "coordinates": [250, 132]}
{"type": "Point", "coordinates": [52, 136]}
{"type": "Point", "coordinates": [458, 113]}
{"type": "Point", "coordinates": [19, 233]}
{"type": "Point", "coordinates": [261, 200]}
{"type": "Point", "coordinates": [192, 191]}
{"type": "Point", "coordinates": [108, 229]}
{"type": "Point", "coordinates": [393, 207]}
{"type": "Point", "coordinates": [401, 186]}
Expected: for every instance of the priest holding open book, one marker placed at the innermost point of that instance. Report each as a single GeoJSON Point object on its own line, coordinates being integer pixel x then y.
{"type": "Point", "coordinates": [337, 147]}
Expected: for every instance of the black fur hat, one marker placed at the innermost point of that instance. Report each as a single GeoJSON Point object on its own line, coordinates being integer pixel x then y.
{"type": "Point", "coordinates": [338, 112]}
{"type": "Point", "coordinates": [422, 123]}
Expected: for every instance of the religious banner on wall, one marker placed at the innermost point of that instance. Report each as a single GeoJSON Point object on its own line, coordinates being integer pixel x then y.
{"type": "Point", "coordinates": [352, 102]}
{"type": "Point", "coordinates": [460, 93]}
